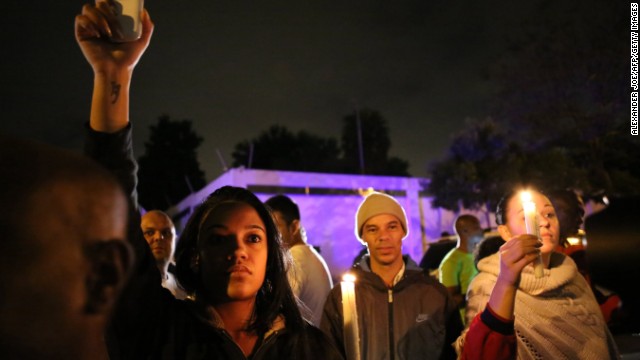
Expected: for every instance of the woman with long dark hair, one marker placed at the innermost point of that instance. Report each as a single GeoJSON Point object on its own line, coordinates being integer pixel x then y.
{"type": "Point", "coordinates": [230, 259]}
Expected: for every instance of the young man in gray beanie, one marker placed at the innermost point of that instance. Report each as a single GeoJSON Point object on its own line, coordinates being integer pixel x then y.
{"type": "Point", "coordinates": [402, 312]}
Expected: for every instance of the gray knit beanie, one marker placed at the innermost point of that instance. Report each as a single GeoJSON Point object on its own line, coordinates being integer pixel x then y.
{"type": "Point", "coordinates": [378, 203]}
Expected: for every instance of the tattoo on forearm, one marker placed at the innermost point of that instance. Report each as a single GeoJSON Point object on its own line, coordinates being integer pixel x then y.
{"type": "Point", "coordinates": [115, 92]}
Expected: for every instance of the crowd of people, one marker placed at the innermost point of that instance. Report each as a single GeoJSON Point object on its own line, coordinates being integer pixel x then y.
{"type": "Point", "coordinates": [87, 275]}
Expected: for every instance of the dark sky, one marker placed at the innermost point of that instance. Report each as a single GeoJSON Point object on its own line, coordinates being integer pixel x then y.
{"type": "Point", "coordinates": [237, 67]}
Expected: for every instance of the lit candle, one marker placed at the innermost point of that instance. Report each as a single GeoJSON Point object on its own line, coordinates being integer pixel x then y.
{"type": "Point", "coordinates": [350, 317]}
{"type": "Point", "coordinates": [531, 224]}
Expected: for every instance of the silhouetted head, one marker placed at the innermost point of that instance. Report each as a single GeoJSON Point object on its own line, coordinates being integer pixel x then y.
{"type": "Point", "coordinates": [287, 217]}
{"type": "Point", "coordinates": [486, 247]}
{"type": "Point", "coordinates": [570, 209]}
{"type": "Point", "coordinates": [469, 232]}
{"type": "Point", "coordinates": [63, 256]}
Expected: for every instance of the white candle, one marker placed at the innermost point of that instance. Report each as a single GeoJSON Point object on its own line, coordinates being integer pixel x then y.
{"type": "Point", "coordinates": [350, 317]}
{"type": "Point", "coordinates": [531, 224]}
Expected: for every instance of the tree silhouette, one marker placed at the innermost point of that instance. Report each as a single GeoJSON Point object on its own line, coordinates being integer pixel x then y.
{"type": "Point", "coordinates": [169, 169]}
{"type": "Point", "coordinates": [565, 71]}
{"type": "Point", "coordinates": [561, 110]}
{"type": "Point", "coordinates": [280, 149]}
{"type": "Point", "coordinates": [375, 146]}
{"type": "Point", "coordinates": [480, 164]}
{"type": "Point", "coordinates": [483, 163]}
{"type": "Point", "coordinates": [572, 100]}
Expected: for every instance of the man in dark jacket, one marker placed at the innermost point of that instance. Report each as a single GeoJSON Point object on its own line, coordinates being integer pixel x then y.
{"type": "Point", "coordinates": [402, 312]}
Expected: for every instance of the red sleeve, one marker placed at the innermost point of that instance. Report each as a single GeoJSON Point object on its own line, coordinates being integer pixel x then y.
{"type": "Point", "coordinates": [489, 337]}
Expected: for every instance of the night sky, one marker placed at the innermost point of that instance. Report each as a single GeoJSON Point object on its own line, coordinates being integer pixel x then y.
{"type": "Point", "coordinates": [235, 68]}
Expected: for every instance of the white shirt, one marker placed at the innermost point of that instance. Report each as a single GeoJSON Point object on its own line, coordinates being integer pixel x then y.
{"type": "Point", "coordinates": [310, 280]}
{"type": "Point", "coordinates": [169, 282]}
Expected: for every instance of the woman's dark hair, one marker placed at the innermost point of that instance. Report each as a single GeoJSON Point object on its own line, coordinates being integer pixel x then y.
{"type": "Point", "coordinates": [275, 296]}
{"type": "Point", "coordinates": [570, 210]}
{"type": "Point", "coordinates": [486, 247]}
{"type": "Point", "coordinates": [285, 206]}
{"type": "Point", "coordinates": [501, 208]}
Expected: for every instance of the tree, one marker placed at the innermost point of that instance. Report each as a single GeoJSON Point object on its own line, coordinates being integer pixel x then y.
{"type": "Point", "coordinates": [564, 69]}
{"type": "Point", "coordinates": [563, 104]}
{"type": "Point", "coordinates": [375, 146]}
{"type": "Point", "coordinates": [280, 149]}
{"type": "Point", "coordinates": [480, 164]}
{"type": "Point", "coordinates": [572, 99]}
{"type": "Point", "coordinates": [169, 169]}
{"type": "Point", "coordinates": [483, 163]}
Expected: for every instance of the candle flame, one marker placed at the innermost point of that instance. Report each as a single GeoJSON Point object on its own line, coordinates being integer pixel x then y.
{"type": "Point", "coordinates": [365, 192]}
{"type": "Point", "coordinates": [525, 196]}
{"type": "Point", "coordinates": [574, 240]}
{"type": "Point", "coordinates": [348, 277]}
{"type": "Point", "coordinates": [528, 207]}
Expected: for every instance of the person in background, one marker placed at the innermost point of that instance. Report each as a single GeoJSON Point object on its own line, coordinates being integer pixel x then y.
{"type": "Point", "coordinates": [160, 233]}
{"type": "Point", "coordinates": [518, 315]}
{"type": "Point", "coordinates": [570, 209]}
{"type": "Point", "coordinates": [486, 247]}
{"type": "Point", "coordinates": [432, 258]}
{"type": "Point", "coordinates": [403, 313]}
{"type": "Point", "coordinates": [457, 268]}
{"type": "Point", "coordinates": [63, 253]}
{"type": "Point", "coordinates": [614, 253]}
{"type": "Point", "coordinates": [309, 275]}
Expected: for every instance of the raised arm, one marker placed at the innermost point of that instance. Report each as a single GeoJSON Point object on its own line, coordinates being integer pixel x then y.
{"type": "Point", "coordinates": [109, 143]}
{"type": "Point", "coordinates": [109, 139]}
{"type": "Point", "coordinates": [112, 63]}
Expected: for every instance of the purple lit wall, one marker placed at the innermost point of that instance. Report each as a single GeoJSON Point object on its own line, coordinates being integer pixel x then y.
{"type": "Point", "coordinates": [328, 203]}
